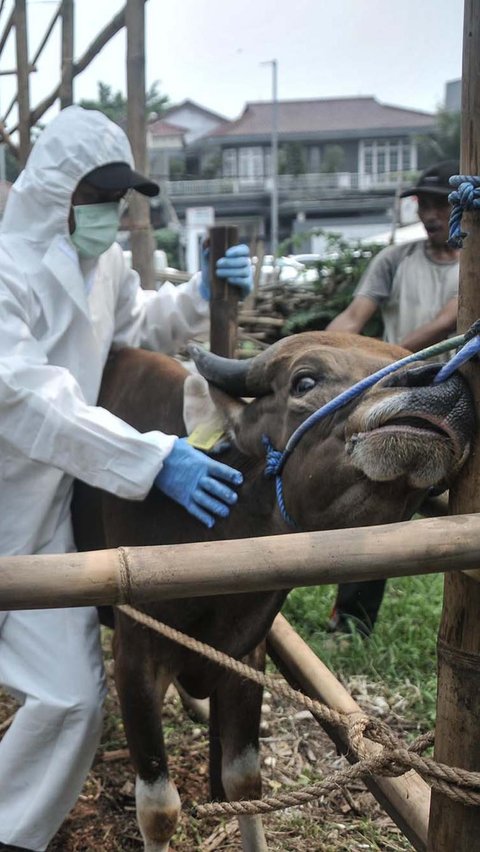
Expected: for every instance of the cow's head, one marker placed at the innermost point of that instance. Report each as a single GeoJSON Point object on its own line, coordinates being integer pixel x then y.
{"type": "Point", "coordinates": [370, 462]}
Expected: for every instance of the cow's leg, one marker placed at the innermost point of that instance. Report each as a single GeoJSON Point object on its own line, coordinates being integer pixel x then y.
{"type": "Point", "coordinates": [238, 705]}
{"type": "Point", "coordinates": [141, 692]}
{"type": "Point", "coordinates": [197, 708]}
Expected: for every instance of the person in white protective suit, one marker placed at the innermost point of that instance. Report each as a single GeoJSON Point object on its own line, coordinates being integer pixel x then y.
{"type": "Point", "coordinates": [67, 297]}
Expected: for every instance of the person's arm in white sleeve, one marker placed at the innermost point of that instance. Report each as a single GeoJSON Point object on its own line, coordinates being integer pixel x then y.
{"type": "Point", "coordinates": [44, 416]}
{"type": "Point", "coordinates": [163, 320]}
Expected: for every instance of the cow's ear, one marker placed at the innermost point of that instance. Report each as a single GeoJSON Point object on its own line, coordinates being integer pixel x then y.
{"type": "Point", "coordinates": [230, 408]}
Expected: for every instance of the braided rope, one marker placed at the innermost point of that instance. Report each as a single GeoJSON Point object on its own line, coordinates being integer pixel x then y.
{"type": "Point", "coordinates": [393, 759]}
{"type": "Point", "coordinates": [466, 196]}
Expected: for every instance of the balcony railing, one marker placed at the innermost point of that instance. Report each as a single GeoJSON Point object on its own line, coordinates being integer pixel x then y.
{"type": "Point", "coordinates": [288, 183]}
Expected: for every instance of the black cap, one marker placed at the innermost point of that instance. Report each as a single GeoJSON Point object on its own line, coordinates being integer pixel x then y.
{"type": "Point", "coordinates": [435, 179]}
{"type": "Point", "coordinates": [118, 176]}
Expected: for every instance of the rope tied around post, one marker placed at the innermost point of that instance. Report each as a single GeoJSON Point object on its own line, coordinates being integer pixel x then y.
{"type": "Point", "coordinates": [466, 196]}
{"type": "Point", "coordinates": [393, 759]}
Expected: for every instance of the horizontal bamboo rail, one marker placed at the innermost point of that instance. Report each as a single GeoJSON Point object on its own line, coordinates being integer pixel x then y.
{"type": "Point", "coordinates": [138, 575]}
{"type": "Point", "coordinates": [405, 799]}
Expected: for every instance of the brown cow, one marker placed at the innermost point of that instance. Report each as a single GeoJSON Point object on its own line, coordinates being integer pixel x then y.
{"type": "Point", "coordinates": [370, 463]}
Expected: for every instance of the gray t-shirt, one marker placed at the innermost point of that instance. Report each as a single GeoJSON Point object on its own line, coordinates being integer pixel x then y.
{"type": "Point", "coordinates": [409, 287]}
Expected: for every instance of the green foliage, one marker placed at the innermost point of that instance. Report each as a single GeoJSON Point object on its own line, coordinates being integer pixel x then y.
{"type": "Point", "coordinates": [333, 159]}
{"type": "Point", "coordinates": [401, 653]}
{"type": "Point", "coordinates": [444, 144]}
{"type": "Point", "coordinates": [177, 168]}
{"type": "Point", "coordinates": [12, 168]}
{"type": "Point", "coordinates": [292, 159]}
{"type": "Point", "coordinates": [169, 240]}
{"type": "Point", "coordinates": [114, 104]}
{"type": "Point", "coordinates": [338, 275]}
{"type": "Point", "coordinates": [211, 166]}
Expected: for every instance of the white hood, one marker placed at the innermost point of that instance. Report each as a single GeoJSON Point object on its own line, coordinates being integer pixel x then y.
{"type": "Point", "coordinates": [72, 145]}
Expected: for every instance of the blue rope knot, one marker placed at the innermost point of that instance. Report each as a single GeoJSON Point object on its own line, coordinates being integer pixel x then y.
{"type": "Point", "coordinates": [466, 196]}
{"type": "Point", "coordinates": [273, 461]}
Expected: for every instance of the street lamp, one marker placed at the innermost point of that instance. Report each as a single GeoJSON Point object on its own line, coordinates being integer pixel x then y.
{"type": "Point", "coordinates": [274, 160]}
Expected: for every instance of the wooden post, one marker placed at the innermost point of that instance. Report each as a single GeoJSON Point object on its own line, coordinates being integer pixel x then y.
{"type": "Point", "coordinates": [406, 799]}
{"type": "Point", "coordinates": [224, 298]}
{"type": "Point", "coordinates": [454, 827]}
{"type": "Point", "coordinates": [22, 79]}
{"type": "Point", "coordinates": [141, 235]}
{"type": "Point", "coordinates": [66, 83]}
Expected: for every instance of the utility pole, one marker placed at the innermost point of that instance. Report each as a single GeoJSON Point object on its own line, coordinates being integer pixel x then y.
{"type": "Point", "coordinates": [274, 160]}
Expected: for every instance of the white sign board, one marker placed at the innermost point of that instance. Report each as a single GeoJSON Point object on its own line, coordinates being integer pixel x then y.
{"type": "Point", "coordinates": [200, 217]}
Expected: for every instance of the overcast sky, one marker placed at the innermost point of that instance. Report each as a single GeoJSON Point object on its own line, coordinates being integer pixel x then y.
{"type": "Point", "coordinates": [400, 51]}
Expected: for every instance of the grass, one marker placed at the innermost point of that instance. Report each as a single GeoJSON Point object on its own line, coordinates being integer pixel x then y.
{"type": "Point", "coordinates": [399, 659]}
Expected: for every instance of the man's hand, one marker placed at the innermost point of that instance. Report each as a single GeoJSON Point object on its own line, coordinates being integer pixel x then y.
{"type": "Point", "coordinates": [197, 482]}
{"type": "Point", "coordinates": [235, 266]}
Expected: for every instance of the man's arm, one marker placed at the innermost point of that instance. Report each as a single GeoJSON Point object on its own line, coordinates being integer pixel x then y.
{"type": "Point", "coordinates": [355, 317]}
{"type": "Point", "coordinates": [432, 332]}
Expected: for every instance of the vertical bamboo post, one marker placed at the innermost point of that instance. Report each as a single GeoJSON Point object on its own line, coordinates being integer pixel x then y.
{"type": "Point", "coordinates": [22, 79]}
{"type": "Point", "coordinates": [139, 207]}
{"type": "Point", "coordinates": [224, 297]}
{"type": "Point", "coordinates": [454, 827]}
{"type": "Point", "coordinates": [66, 82]}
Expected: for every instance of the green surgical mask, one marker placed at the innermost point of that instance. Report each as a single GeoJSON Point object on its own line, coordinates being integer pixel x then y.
{"type": "Point", "coordinates": [96, 227]}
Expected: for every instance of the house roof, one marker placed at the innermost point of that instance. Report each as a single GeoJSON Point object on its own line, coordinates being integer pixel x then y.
{"type": "Point", "coordinates": [326, 115]}
{"type": "Point", "coordinates": [166, 128]}
{"type": "Point", "coordinates": [188, 104]}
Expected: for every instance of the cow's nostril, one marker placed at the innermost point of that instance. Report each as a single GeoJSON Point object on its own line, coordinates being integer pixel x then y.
{"type": "Point", "coordinates": [418, 377]}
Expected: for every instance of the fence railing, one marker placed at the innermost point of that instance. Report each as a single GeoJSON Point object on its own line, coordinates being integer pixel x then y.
{"type": "Point", "coordinates": [257, 185]}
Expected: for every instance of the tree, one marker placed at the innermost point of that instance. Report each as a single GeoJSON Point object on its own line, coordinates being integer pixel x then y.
{"type": "Point", "coordinates": [292, 159]}
{"type": "Point", "coordinates": [444, 143]}
{"type": "Point", "coordinates": [114, 104]}
{"type": "Point", "coordinates": [333, 159]}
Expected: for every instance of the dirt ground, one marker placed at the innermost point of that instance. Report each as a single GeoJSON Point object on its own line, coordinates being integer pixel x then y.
{"type": "Point", "coordinates": [295, 752]}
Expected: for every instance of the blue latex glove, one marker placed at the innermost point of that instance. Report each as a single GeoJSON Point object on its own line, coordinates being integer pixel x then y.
{"type": "Point", "coordinates": [235, 266]}
{"type": "Point", "coordinates": [192, 479]}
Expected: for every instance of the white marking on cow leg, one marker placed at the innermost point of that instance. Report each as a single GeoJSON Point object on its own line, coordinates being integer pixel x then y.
{"type": "Point", "coordinates": [241, 780]}
{"type": "Point", "coordinates": [158, 809]}
{"type": "Point", "coordinates": [197, 708]}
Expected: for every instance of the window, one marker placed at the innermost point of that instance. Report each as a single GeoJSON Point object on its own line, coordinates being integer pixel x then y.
{"type": "Point", "coordinates": [250, 164]}
{"type": "Point", "coordinates": [229, 162]}
{"type": "Point", "coordinates": [379, 157]}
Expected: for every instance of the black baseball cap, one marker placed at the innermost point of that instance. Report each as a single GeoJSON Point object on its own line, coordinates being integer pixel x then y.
{"type": "Point", "coordinates": [118, 176]}
{"type": "Point", "coordinates": [435, 179]}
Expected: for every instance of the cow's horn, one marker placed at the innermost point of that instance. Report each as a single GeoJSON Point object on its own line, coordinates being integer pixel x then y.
{"type": "Point", "coordinates": [231, 375]}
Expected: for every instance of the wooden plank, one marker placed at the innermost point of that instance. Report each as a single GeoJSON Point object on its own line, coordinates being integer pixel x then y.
{"type": "Point", "coordinates": [66, 83]}
{"type": "Point", "coordinates": [23, 82]}
{"type": "Point", "coordinates": [137, 575]}
{"type": "Point", "coordinates": [405, 799]}
{"type": "Point", "coordinates": [455, 827]}
{"type": "Point", "coordinates": [141, 235]}
{"type": "Point", "coordinates": [224, 298]}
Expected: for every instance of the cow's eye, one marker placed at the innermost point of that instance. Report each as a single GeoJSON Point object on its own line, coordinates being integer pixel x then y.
{"type": "Point", "coordinates": [302, 384]}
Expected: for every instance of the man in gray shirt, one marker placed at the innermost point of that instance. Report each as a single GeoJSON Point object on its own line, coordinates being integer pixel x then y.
{"type": "Point", "coordinates": [414, 285]}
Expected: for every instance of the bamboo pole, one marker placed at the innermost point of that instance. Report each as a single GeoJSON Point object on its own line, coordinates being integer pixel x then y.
{"type": "Point", "coordinates": [112, 28]}
{"type": "Point", "coordinates": [35, 59]}
{"type": "Point", "coordinates": [22, 79]}
{"type": "Point", "coordinates": [143, 574]}
{"type": "Point", "coordinates": [141, 236]}
{"type": "Point", "coordinates": [453, 827]}
{"type": "Point", "coordinates": [66, 82]}
{"type": "Point", "coordinates": [223, 298]}
{"type": "Point", "coordinates": [405, 799]}
{"type": "Point", "coordinates": [6, 30]}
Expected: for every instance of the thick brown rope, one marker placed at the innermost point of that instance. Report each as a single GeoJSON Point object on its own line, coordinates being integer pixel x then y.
{"type": "Point", "coordinates": [393, 759]}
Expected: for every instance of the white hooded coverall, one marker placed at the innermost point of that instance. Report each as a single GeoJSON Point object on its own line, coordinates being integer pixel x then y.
{"type": "Point", "coordinates": [57, 324]}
